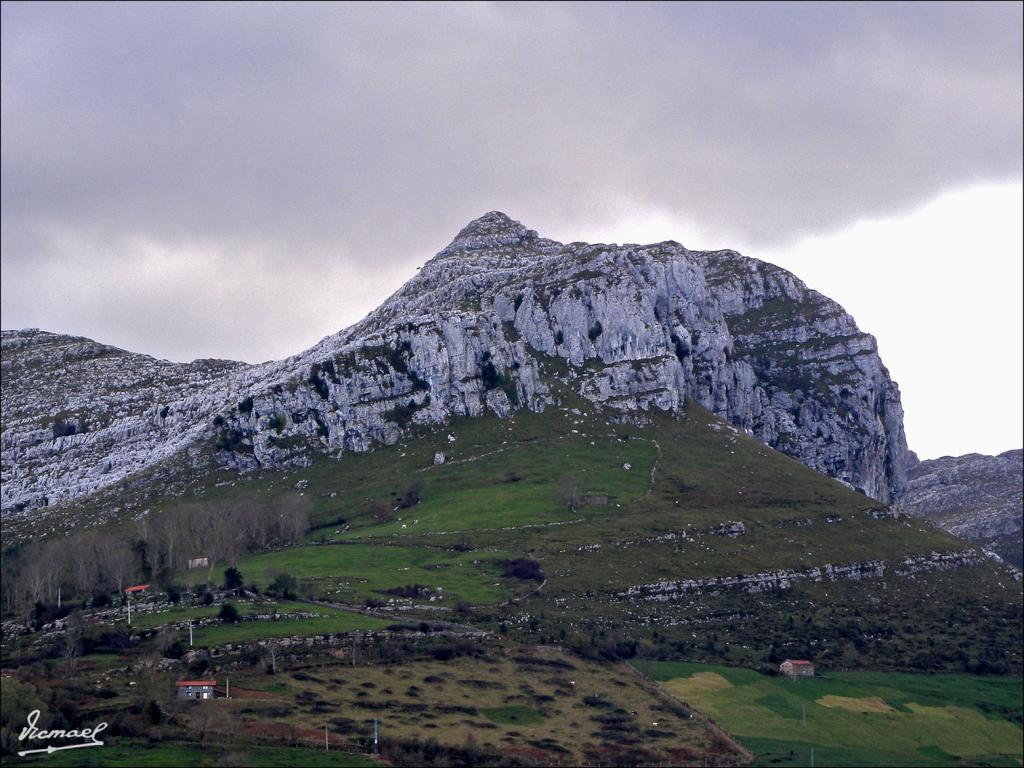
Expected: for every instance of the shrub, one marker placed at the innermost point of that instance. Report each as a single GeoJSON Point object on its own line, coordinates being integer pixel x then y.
{"type": "Point", "coordinates": [418, 384]}
{"type": "Point", "coordinates": [62, 428]}
{"type": "Point", "coordinates": [522, 568]}
{"type": "Point", "coordinates": [282, 586]}
{"type": "Point", "coordinates": [402, 414]}
{"type": "Point", "coordinates": [327, 366]}
{"type": "Point", "coordinates": [559, 338]}
{"type": "Point", "coordinates": [596, 330]}
{"type": "Point", "coordinates": [318, 382]}
{"type": "Point", "coordinates": [230, 440]}
{"type": "Point", "coordinates": [413, 494]}
{"type": "Point", "coordinates": [245, 406]}
{"type": "Point", "coordinates": [173, 593]}
{"type": "Point", "coordinates": [489, 374]}
{"type": "Point", "coordinates": [682, 352]}
{"type": "Point", "coordinates": [228, 613]}
{"type": "Point", "coordinates": [277, 422]}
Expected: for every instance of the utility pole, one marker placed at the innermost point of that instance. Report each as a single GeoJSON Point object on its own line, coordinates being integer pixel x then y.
{"type": "Point", "coordinates": [58, 597]}
{"type": "Point", "coordinates": [353, 649]}
{"type": "Point", "coordinates": [227, 689]}
{"type": "Point", "coordinates": [190, 633]}
{"type": "Point", "coordinates": [803, 717]}
{"type": "Point", "coordinates": [376, 737]}
{"type": "Point", "coordinates": [129, 609]}
{"type": "Point", "coordinates": [327, 744]}
{"type": "Point", "coordinates": [812, 757]}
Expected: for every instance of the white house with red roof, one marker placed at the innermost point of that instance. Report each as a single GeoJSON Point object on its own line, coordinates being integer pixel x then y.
{"type": "Point", "coordinates": [797, 668]}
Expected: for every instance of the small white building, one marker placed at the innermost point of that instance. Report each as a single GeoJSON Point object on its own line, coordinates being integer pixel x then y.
{"type": "Point", "coordinates": [797, 668]}
{"type": "Point", "coordinates": [199, 562]}
{"type": "Point", "coordinates": [198, 690]}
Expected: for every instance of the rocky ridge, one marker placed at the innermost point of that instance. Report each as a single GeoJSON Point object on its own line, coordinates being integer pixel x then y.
{"type": "Point", "coordinates": [978, 498]}
{"type": "Point", "coordinates": [773, 581]}
{"type": "Point", "coordinates": [486, 326]}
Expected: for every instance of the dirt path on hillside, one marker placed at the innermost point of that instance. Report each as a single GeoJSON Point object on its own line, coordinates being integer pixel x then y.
{"type": "Point", "coordinates": [654, 470]}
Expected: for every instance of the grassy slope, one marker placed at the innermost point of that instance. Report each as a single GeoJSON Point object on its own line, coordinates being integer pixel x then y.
{"type": "Point", "coordinates": [497, 496]}
{"type": "Point", "coordinates": [497, 493]}
{"type": "Point", "coordinates": [922, 720]}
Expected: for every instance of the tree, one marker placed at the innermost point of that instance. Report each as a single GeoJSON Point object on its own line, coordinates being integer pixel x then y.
{"type": "Point", "coordinates": [282, 586]}
{"type": "Point", "coordinates": [228, 613]}
{"type": "Point", "coordinates": [71, 642]}
{"type": "Point", "coordinates": [233, 579]}
{"type": "Point", "coordinates": [568, 492]}
{"type": "Point", "coordinates": [294, 512]}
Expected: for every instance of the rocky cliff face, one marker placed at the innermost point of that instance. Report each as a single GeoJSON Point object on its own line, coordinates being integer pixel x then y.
{"type": "Point", "coordinates": [975, 497]}
{"type": "Point", "coordinates": [490, 324]}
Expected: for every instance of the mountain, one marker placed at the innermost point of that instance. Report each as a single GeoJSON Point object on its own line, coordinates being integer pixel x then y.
{"type": "Point", "coordinates": [975, 497]}
{"type": "Point", "coordinates": [530, 443]}
{"type": "Point", "coordinates": [633, 329]}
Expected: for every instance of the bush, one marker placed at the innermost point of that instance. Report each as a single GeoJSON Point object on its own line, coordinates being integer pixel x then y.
{"type": "Point", "coordinates": [228, 613]}
{"type": "Point", "coordinates": [277, 422]}
{"type": "Point", "coordinates": [245, 406]}
{"type": "Point", "coordinates": [522, 568]}
{"type": "Point", "coordinates": [402, 414]}
{"type": "Point", "coordinates": [559, 338]}
{"type": "Point", "coordinates": [63, 428]}
{"type": "Point", "coordinates": [173, 593]}
{"type": "Point", "coordinates": [318, 382]}
{"type": "Point", "coordinates": [412, 495]}
{"type": "Point", "coordinates": [100, 600]}
{"type": "Point", "coordinates": [596, 330]}
{"type": "Point", "coordinates": [282, 586]}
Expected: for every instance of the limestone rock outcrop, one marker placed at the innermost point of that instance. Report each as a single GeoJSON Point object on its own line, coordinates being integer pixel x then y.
{"type": "Point", "coordinates": [975, 497]}
{"type": "Point", "coordinates": [488, 325]}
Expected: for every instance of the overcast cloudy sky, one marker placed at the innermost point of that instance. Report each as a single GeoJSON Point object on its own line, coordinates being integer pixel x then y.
{"type": "Point", "coordinates": [224, 180]}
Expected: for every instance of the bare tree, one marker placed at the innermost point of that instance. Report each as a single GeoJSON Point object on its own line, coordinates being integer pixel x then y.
{"type": "Point", "coordinates": [568, 491]}
{"type": "Point", "coordinates": [380, 511]}
{"type": "Point", "coordinates": [71, 642]}
{"type": "Point", "coordinates": [295, 511]}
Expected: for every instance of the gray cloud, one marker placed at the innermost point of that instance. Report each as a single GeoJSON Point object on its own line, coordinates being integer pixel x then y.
{"type": "Point", "coordinates": [265, 174]}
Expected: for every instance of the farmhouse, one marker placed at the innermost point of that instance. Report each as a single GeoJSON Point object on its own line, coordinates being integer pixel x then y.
{"type": "Point", "coordinates": [136, 589]}
{"type": "Point", "coordinates": [198, 562]}
{"type": "Point", "coordinates": [797, 668]}
{"type": "Point", "coordinates": [196, 689]}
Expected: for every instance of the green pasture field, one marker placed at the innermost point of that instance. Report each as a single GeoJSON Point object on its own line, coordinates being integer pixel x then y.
{"type": "Point", "coordinates": [857, 718]}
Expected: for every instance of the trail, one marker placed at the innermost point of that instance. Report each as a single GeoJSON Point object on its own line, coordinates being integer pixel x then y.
{"type": "Point", "coordinates": [654, 470]}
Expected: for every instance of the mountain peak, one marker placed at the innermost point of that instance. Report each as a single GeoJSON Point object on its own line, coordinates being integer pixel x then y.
{"type": "Point", "coordinates": [493, 229]}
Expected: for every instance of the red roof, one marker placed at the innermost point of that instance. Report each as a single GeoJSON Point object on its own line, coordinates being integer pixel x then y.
{"type": "Point", "coordinates": [137, 588]}
{"type": "Point", "coordinates": [797, 661]}
{"type": "Point", "coordinates": [183, 683]}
